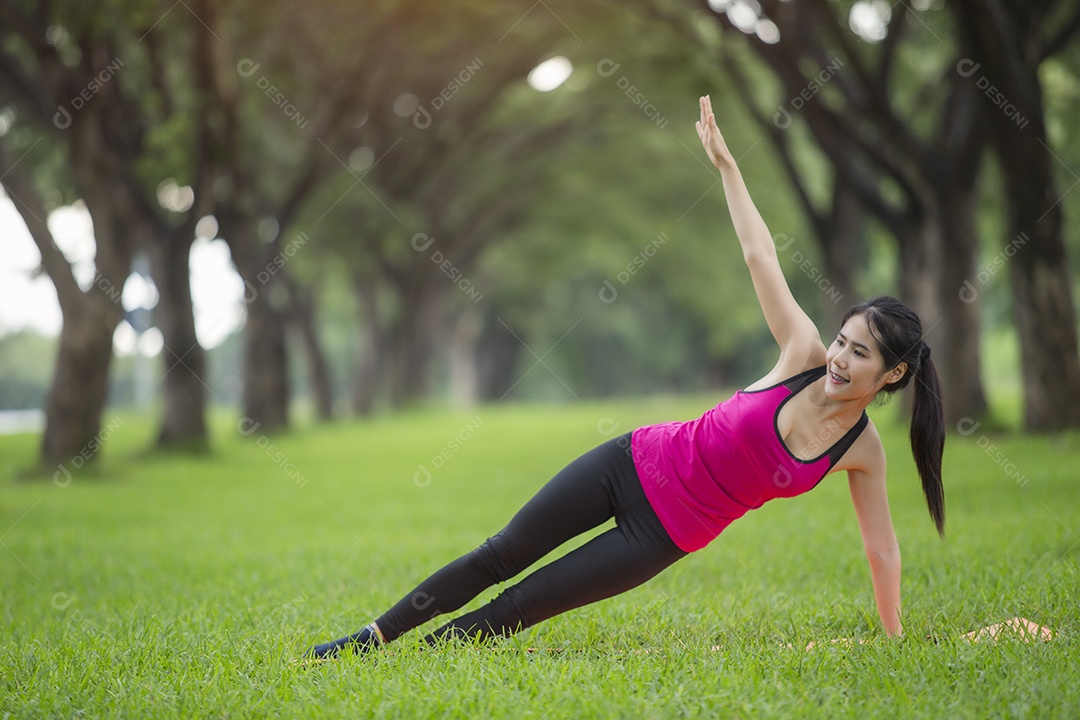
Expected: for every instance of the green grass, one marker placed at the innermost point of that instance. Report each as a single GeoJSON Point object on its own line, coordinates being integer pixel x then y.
{"type": "Point", "coordinates": [185, 586]}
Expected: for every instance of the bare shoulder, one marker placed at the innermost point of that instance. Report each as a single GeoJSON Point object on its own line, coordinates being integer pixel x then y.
{"type": "Point", "coordinates": [806, 353]}
{"type": "Point", "coordinates": [866, 455]}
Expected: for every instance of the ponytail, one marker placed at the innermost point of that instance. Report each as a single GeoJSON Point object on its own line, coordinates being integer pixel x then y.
{"type": "Point", "coordinates": [928, 435]}
{"type": "Point", "coordinates": [899, 336]}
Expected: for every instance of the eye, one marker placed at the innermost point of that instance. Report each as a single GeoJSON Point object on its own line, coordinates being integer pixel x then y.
{"type": "Point", "coordinates": [839, 342]}
{"type": "Point", "coordinates": [860, 353]}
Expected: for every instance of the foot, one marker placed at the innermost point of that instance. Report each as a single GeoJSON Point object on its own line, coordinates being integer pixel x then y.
{"type": "Point", "coordinates": [358, 642]}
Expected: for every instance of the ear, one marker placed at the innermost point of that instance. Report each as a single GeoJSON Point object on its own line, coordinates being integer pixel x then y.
{"type": "Point", "coordinates": [896, 374]}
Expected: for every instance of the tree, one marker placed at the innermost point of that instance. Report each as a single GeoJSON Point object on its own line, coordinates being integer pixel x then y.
{"type": "Point", "coordinates": [105, 95]}
{"type": "Point", "coordinates": [428, 185]}
{"type": "Point", "coordinates": [77, 394]}
{"type": "Point", "coordinates": [344, 63]}
{"type": "Point", "coordinates": [76, 397]}
{"type": "Point", "coordinates": [1005, 43]}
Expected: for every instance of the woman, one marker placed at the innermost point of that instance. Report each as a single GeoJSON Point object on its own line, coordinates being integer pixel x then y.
{"type": "Point", "coordinates": [674, 487]}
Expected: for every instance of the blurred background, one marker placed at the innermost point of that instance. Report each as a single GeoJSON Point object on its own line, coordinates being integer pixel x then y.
{"type": "Point", "coordinates": [313, 211]}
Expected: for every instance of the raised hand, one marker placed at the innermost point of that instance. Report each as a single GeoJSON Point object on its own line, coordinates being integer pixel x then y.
{"type": "Point", "coordinates": [711, 139]}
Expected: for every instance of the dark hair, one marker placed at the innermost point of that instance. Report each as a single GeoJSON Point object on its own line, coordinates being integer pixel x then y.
{"type": "Point", "coordinates": [899, 336]}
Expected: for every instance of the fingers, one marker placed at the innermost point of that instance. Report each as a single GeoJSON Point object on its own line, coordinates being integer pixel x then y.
{"type": "Point", "coordinates": [706, 126]}
{"type": "Point", "coordinates": [709, 134]}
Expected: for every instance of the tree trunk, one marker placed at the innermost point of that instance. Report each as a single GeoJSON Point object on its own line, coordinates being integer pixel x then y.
{"type": "Point", "coordinates": [266, 393]}
{"type": "Point", "coordinates": [959, 360]}
{"type": "Point", "coordinates": [183, 419]}
{"type": "Point", "coordinates": [76, 398]}
{"type": "Point", "coordinates": [370, 353]}
{"type": "Point", "coordinates": [1043, 307]}
{"type": "Point", "coordinates": [266, 380]}
{"type": "Point", "coordinates": [952, 167]}
{"type": "Point", "coordinates": [462, 350]}
{"type": "Point", "coordinates": [302, 316]}
{"type": "Point", "coordinates": [936, 256]}
{"type": "Point", "coordinates": [840, 245]}
{"type": "Point", "coordinates": [1003, 41]}
{"type": "Point", "coordinates": [919, 239]}
{"type": "Point", "coordinates": [411, 345]}
{"type": "Point", "coordinates": [498, 353]}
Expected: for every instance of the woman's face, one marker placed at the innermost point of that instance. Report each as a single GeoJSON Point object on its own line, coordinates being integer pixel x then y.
{"type": "Point", "coordinates": [855, 367]}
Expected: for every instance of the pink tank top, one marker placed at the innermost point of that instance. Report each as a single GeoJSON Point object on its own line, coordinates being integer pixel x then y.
{"type": "Point", "coordinates": [702, 474]}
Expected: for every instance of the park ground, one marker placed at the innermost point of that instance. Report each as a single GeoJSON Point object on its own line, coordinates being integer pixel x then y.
{"type": "Point", "coordinates": [171, 585]}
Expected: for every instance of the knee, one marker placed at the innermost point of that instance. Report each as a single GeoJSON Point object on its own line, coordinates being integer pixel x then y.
{"type": "Point", "coordinates": [495, 560]}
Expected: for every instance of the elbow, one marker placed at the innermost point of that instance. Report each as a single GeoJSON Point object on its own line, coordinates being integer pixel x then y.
{"type": "Point", "coordinates": [759, 254]}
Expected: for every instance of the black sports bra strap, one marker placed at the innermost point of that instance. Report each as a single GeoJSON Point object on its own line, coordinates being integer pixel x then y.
{"type": "Point", "coordinates": [837, 451]}
{"type": "Point", "coordinates": [797, 382]}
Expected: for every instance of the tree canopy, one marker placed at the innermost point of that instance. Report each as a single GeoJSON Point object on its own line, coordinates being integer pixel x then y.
{"type": "Point", "coordinates": [488, 201]}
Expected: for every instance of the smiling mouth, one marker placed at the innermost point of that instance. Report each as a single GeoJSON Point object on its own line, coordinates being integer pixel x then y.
{"type": "Point", "coordinates": [836, 378]}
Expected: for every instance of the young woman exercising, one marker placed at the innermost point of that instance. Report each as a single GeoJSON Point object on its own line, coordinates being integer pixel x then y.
{"type": "Point", "coordinates": [674, 487]}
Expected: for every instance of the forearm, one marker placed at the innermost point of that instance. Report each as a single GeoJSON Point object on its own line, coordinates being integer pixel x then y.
{"type": "Point", "coordinates": [753, 234]}
{"type": "Point", "coordinates": [885, 570]}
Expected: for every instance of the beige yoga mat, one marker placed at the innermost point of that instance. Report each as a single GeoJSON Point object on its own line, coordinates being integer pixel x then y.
{"type": "Point", "coordinates": [1016, 627]}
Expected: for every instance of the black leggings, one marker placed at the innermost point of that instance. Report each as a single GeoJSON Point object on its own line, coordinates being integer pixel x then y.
{"type": "Point", "coordinates": [599, 485]}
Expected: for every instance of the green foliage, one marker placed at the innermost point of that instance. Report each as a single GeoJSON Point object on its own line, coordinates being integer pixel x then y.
{"type": "Point", "coordinates": [184, 586]}
{"type": "Point", "coordinates": [168, 146]}
{"type": "Point", "coordinates": [584, 208]}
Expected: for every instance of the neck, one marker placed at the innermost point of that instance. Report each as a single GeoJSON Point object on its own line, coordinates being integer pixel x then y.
{"type": "Point", "coordinates": [845, 412]}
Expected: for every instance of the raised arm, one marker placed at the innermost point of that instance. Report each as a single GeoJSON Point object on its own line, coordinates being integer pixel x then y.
{"type": "Point", "coordinates": [867, 484]}
{"type": "Point", "coordinates": [789, 324]}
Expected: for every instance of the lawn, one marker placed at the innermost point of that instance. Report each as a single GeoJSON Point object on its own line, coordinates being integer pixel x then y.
{"type": "Point", "coordinates": [186, 586]}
